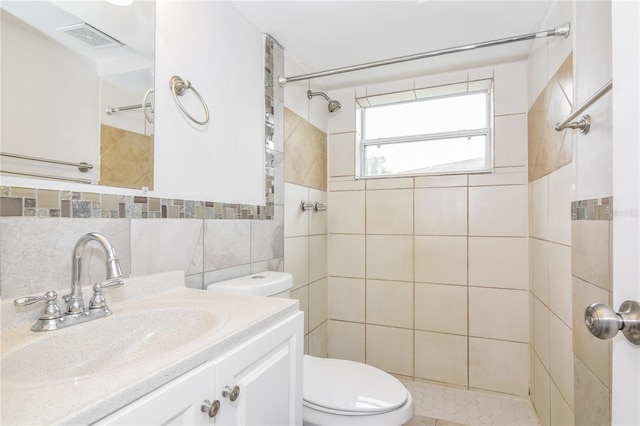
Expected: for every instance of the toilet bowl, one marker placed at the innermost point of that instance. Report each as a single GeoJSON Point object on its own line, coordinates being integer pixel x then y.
{"type": "Point", "coordinates": [341, 392]}
{"type": "Point", "coordinates": [335, 391]}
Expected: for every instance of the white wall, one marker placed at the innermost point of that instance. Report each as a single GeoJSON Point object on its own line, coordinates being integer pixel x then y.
{"type": "Point", "coordinates": [592, 69]}
{"type": "Point", "coordinates": [626, 196]}
{"type": "Point", "coordinates": [211, 45]}
{"type": "Point", "coordinates": [295, 96]}
{"type": "Point", "coordinates": [547, 54]}
{"type": "Point", "coordinates": [44, 115]}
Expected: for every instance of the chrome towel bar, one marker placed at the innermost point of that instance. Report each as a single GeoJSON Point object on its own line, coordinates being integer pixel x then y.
{"type": "Point", "coordinates": [83, 167]}
{"type": "Point", "coordinates": [584, 124]}
{"type": "Point", "coordinates": [145, 105]}
{"type": "Point", "coordinates": [69, 179]}
{"type": "Point", "coordinates": [111, 110]}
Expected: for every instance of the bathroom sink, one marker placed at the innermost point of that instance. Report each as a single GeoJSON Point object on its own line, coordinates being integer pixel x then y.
{"type": "Point", "coordinates": [115, 343]}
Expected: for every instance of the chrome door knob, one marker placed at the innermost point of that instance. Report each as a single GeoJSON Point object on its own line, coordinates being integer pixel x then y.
{"type": "Point", "coordinates": [601, 320]}
{"type": "Point", "coordinates": [211, 408]}
{"type": "Point", "coordinates": [230, 393]}
{"type": "Point", "coordinates": [604, 323]}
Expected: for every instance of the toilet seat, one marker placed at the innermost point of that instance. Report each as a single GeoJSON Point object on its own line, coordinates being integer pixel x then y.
{"type": "Point", "coordinates": [350, 388]}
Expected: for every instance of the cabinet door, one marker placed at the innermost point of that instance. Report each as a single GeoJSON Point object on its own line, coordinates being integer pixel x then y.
{"type": "Point", "coordinates": [268, 372]}
{"type": "Point", "coordinates": [176, 403]}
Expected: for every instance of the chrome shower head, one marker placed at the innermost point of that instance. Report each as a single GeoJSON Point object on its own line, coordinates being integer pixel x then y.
{"type": "Point", "coordinates": [333, 104]}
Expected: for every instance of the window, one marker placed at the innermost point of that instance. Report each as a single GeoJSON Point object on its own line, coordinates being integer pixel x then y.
{"type": "Point", "coordinates": [429, 131]}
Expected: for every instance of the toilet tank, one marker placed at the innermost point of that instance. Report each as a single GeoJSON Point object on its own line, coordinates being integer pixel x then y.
{"type": "Point", "coordinates": [267, 283]}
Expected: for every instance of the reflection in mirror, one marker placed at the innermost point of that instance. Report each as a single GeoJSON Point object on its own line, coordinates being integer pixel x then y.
{"type": "Point", "coordinates": [126, 141]}
{"type": "Point", "coordinates": [75, 76]}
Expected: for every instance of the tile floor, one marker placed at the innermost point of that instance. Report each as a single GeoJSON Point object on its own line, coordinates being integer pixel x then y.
{"type": "Point", "coordinates": [442, 406]}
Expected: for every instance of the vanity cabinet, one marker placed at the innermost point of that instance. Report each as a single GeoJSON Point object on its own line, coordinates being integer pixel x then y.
{"type": "Point", "coordinates": [259, 382]}
{"type": "Point", "coordinates": [176, 403]}
{"type": "Point", "coordinates": [268, 373]}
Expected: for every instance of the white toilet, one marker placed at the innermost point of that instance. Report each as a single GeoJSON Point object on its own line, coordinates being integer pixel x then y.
{"type": "Point", "coordinates": [335, 391]}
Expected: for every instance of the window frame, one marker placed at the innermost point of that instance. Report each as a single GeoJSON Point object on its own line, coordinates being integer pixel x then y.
{"type": "Point", "coordinates": [487, 131]}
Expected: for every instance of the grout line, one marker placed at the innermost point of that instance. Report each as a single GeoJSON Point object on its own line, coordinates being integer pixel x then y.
{"type": "Point", "coordinates": [366, 285]}
{"type": "Point", "coordinates": [468, 301]}
{"type": "Point", "coordinates": [415, 261]}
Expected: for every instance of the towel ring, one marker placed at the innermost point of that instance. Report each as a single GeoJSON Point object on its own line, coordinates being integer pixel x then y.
{"type": "Point", "coordinates": [178, 87]}
{"type": "Point", "coordinates": [148, 110]}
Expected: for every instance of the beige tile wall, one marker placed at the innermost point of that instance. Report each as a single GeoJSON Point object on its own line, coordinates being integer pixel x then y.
{"type": "Point", "coordinates": [592, 283]}
{"type": "Point", "coordinates": [423, 271]}
{"type": "Point", "coordinates": [591, 233]}
{"type": "Point", "coordinates": [550, 195]}
{"type": "Point", "coordinates": [551, 292]}
{"type": "Point", "coordinates": [305, 233]}
{"type": "Point", "coordinates": [570, 260]}
{"type": "Point", "coordinates": [549, 149]}
{"type": "Point", "coordinates": [126, 158]}
{"type": "Point", "coordinates": [305, 152]}
{"type": "Point", "coordinates": [570, 269]}
{"type": "Point", "coordinates": [305, 254]}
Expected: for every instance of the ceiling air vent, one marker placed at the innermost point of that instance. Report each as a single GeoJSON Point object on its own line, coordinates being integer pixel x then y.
{"type": "Point", "coordinates": [91, 36]}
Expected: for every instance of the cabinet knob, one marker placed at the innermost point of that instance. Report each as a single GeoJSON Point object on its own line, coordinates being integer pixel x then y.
{"type": "Point", "coordinates": [232, 394]}
{"type": "Point", "coordinates": [211, 408]}
{"type": "Point", "coordinates": [306, 205]}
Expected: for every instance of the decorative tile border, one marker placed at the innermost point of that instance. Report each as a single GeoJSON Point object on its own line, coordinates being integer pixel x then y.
{"type": "Point", "coordinates": [28, 202]}
{"type": "Point", "coordinates": [34, 202]}
{"type": "Point", "coordinates": [595, 209]}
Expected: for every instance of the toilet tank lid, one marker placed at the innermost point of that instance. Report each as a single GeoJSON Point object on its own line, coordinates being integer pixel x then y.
{"type": "Point", "coordinates": [265, 283]}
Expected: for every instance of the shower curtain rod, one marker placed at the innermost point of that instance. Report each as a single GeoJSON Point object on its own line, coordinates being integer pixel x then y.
{"type": "Point", "coordinates": [560, 31]}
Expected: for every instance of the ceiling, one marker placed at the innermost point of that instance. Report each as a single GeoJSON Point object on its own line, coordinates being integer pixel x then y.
{"type": "Point", "coordinates": [322, 35]}
{"type": "Point", "coordinates": [133, 26]}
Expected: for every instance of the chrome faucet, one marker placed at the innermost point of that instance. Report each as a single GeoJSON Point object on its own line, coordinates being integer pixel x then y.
{"type": "Point", "coordinates": [52, 318]}
{"type": "Point", "coordinates": [75, 303]}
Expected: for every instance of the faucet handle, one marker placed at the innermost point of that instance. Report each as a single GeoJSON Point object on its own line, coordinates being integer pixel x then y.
{"type": "Point", "coordinates": [97, 300]}
{"type": "Point", "coordinates": [109, 284]}
{"type": "Point", "coordinates": [30, 300]}
{"type": "Point", "coordinates": [50, 311]}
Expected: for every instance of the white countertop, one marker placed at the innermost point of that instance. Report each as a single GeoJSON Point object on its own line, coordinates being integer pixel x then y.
{"type": "Point", "coordinates": [88, 398]}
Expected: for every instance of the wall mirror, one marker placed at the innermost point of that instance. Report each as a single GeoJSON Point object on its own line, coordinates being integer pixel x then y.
{"type": "Point", "coordinates": [77, 87]}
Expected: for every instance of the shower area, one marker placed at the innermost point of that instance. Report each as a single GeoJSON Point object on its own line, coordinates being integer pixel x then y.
{"type": "Point", "coordinates": [474, 283]}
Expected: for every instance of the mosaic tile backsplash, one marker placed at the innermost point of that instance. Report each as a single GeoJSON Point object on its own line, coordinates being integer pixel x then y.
{"type": "Point", "coordinates": [596, 209]}
{"type": "Point", "coordinates": [33, 202]}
